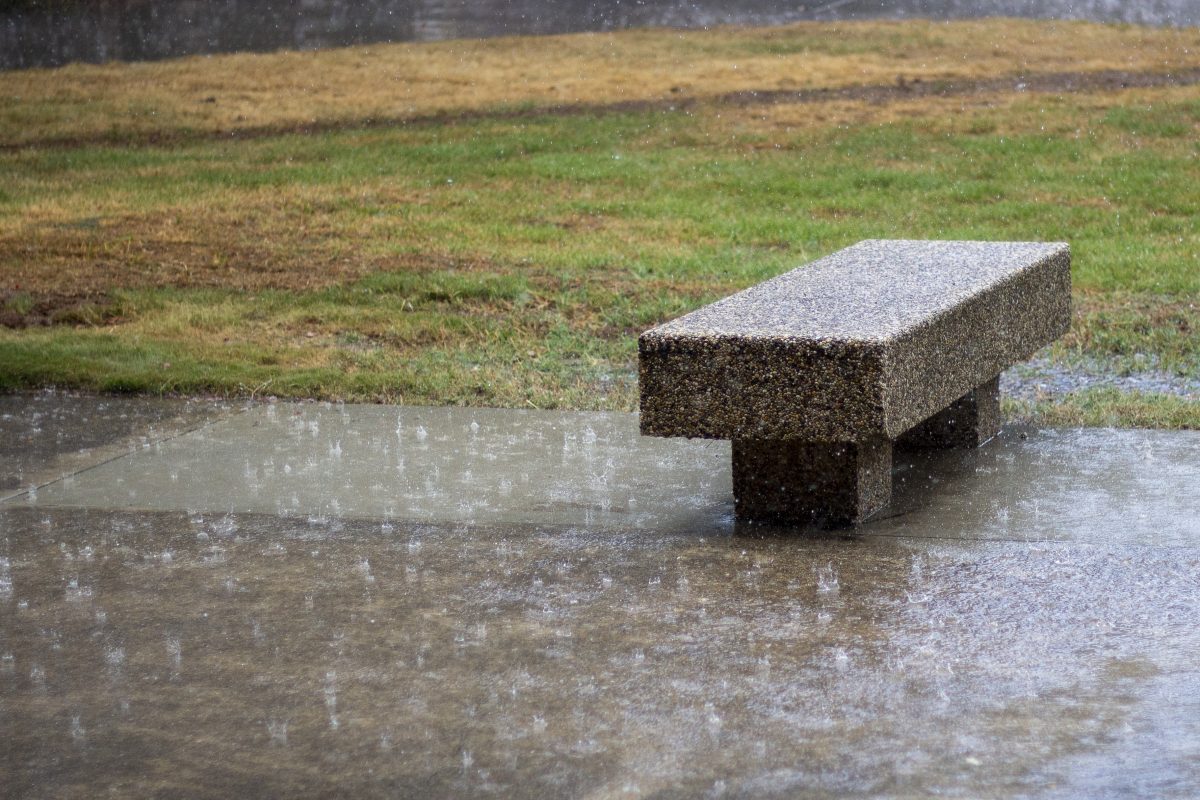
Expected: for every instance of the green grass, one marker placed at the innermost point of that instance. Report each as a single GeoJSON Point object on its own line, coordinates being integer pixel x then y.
{"type": "Point", "coordinates": [514, 262]}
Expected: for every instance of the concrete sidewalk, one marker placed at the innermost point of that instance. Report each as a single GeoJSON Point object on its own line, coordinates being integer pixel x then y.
{"type": "Point", "coordinates": [307, 599]}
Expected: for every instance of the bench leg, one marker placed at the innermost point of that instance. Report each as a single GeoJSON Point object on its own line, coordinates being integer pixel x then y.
{"type": "Point", "coordinates": [967, 422]}
{"type": "Point", "coordinates": [839, 483]}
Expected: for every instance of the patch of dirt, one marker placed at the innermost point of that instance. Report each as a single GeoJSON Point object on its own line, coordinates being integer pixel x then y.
{"type": "Point", "coordinates": [902, 89]}
{"type": "Point", "coordinates": [581, 222]}
{"type": "Point", "coordinates": [26, 310]}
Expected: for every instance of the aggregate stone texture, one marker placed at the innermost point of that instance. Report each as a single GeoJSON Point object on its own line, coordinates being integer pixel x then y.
{"type": "Point", "coordinates": [862, 344]}
{"type": "Point", "coordinates": [967, 422]}
{"type": "Point", "coordinates": [818, 484]}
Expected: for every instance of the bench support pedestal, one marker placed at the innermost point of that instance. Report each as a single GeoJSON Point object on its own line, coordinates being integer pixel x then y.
{"type": "Point", "coordinates": [967, 422]}
{"type": "Point", "coordinates": [837, 483]}
{"type": "Point", "coordinates": [844, 483]}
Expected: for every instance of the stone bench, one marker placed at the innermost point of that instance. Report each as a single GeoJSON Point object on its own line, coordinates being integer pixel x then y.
{"type": "Point", "coordinates": [815, 375]}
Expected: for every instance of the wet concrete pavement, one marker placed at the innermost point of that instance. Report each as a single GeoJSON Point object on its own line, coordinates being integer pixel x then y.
{"type": "Point", "coordinates": [45, 436]}
{"type": "Point", "coordinates": [313, 600]}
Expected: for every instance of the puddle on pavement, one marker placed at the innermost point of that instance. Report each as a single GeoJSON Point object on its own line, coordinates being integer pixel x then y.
{"type": "Point", "coordinates": [1092, 485]}
{"type": "Point", "coordinates": [435, 464]}
{"type": "Point", "coordinates": [309, 599]}
{"type": "Point", "coordinates": [489, 466]}
{"type": "Point", "coordinates": [228, 655]}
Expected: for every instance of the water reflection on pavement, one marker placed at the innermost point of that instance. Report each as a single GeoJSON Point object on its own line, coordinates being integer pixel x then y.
{"type": "Point", "coordinates": [194, 637]}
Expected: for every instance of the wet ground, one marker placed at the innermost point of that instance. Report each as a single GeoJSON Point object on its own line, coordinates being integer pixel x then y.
{"type": "Point", "coordinates": [315, 600]}
{"type": "Point", "coordinates": [46, 435]}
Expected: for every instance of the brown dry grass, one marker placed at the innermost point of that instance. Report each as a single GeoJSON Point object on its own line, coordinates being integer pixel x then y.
{"type": "Point", "coordinates": [256, 249]}
{"type": "Point", "coordinates": [994, 113]}
{"type": "Point", "coordinates": [290, 89]}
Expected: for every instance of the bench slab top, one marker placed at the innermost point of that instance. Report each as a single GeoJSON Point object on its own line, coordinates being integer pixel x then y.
{"type": "Point", "coordinates": [873, 291]}
{"type": "Point", "coordinates": [864, 343]}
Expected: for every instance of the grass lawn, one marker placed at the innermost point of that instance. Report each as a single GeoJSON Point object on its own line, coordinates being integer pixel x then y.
{"type": "Point", "coordinates": [493, 223]}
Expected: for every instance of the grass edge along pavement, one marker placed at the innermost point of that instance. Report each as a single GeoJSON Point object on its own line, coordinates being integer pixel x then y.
{"type": "Point", "coordinates": [511, 260]}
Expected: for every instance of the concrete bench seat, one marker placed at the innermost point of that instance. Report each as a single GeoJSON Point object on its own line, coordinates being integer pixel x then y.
{"type": "Point", "coordinates": [815, 375]}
